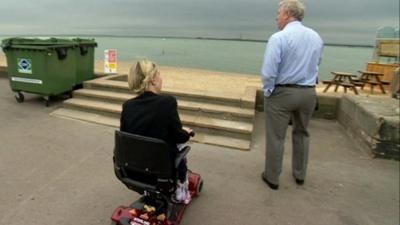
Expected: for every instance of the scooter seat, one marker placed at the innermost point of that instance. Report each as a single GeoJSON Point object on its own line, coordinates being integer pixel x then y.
{"type": "Point", "coordinates": [145, 163]}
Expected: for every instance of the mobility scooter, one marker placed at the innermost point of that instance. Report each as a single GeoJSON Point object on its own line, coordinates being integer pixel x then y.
{"type": "Point", "coordinates": [143, 164]}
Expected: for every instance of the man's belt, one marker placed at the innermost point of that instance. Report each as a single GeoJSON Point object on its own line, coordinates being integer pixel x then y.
{"type": "Point", "coordinates": [295, 86]}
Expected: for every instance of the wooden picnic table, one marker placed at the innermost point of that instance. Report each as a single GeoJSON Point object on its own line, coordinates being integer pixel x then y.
{"type": "Point", "coordinates": [373, 79]}
{"type": "Point", "coordinates": [341, 79]}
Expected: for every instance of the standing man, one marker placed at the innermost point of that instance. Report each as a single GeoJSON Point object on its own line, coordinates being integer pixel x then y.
{"type": "Point", "coordinates": [289, 75]}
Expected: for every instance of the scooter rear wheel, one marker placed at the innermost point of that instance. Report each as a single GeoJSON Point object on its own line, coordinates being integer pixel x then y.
{"type": "Point", "coordinates": [200, 187]}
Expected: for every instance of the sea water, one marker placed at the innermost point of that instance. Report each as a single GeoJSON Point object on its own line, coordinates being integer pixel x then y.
{"type": "Point", "coordinates": [223, 55]}
{"type": "Point", "coordinates": [243, 57]}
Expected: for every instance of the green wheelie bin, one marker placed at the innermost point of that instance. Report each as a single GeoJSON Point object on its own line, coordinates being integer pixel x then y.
{"type": "Point", "coordinates": [42, 66]}
{"type": "Point", "coordinates": [84, 55]}
{"type": "Point", "coordinates": [85, 60]}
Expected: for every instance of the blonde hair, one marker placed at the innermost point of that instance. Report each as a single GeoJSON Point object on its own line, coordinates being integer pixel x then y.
{"type": "Point", "coordinates": [140, 75]}
{"type": "Point", "coordinates": [293, 8]}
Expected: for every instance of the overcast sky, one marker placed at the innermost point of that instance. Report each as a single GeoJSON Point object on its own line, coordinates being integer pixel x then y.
{"type": "Point", "coordinates": [337, 21]}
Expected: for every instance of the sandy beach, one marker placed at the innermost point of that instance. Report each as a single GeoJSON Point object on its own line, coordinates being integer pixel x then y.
{"type": "Point", "coordinates": [218, 83]}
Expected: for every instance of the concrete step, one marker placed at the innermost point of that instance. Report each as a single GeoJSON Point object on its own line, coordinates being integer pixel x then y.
{"type": "Point", "coordinates": [86, 116]}
{"type": "Point", "coordinates": [108, 96]}
{"type": "Point", "coordinates": [203, 135]}
{"type": "Point", "coordinates": [218, 116]}
{"type": "Point", "coordinates": [187, 118]}
{"type": "Point", "coordinates": [185, 94]}
{"type": "Point", "coordinates": [223, 141]}
{"type": "Point", "coordinates": [215, 110]}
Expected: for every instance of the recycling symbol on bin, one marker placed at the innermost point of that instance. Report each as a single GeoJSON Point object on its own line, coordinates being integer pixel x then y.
{"type": "Point", "coordinates": [24, 66]}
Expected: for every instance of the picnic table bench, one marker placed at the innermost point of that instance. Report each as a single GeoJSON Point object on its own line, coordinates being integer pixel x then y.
{"type": "Point", "coordinates": [342, 79]}
{"type": "Point", "coordinates": [373, 79]}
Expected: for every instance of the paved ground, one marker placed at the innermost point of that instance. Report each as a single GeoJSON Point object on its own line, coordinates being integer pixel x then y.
{"type": "Point", "coordinates": [58, 171]}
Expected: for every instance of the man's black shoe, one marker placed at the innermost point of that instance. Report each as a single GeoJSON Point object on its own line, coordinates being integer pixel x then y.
{"type": "Point", "coordinates": [271, 185]}
{"type": "Point", "coordinates": [299, 182]}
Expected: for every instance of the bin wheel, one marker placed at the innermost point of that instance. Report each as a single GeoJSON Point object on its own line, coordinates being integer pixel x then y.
{"type": "Point", "coordinates": [19, 97]}
{"type": "Point", "coordinates": [47, 100]}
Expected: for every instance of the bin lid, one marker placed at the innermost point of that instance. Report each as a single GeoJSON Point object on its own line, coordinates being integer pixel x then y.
{"type": "Point", "coordinates": [39, 41]}
{"type": "Point", "coordinates": [45, 44]}
{"type": "Point", "coordinates": [36, 47]}
{"type": "Point", "coordinates": [85, 42]}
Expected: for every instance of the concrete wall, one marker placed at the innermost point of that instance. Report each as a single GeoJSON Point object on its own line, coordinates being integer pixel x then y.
{"type": "Point", "coordinates": [326, 109]}
{"type": "Point", "coordinates": [373, 122]}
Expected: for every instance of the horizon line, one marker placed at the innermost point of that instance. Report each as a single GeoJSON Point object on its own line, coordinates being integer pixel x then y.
{"type": "Point", "coordinates": [180, 37]}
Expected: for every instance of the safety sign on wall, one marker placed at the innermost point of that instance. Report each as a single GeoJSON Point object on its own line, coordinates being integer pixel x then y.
{"type": "Point", "coordinates": [110, 61]}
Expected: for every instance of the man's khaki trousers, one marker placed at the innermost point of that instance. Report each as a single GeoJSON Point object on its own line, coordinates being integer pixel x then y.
{"type": "Point", "coordinates": [283, 104]}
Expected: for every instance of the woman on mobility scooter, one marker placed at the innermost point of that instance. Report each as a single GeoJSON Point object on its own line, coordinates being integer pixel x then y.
{"type": "Point", "coordinates": [155, 115]}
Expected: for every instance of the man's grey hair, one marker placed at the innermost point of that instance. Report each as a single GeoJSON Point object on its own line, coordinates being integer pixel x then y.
{"type": "Point", "coordinates": [293, 8]}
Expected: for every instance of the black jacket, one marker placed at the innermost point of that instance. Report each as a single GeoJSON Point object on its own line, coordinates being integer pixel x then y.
{"type": "Point", "coordinates": [154, 115]}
